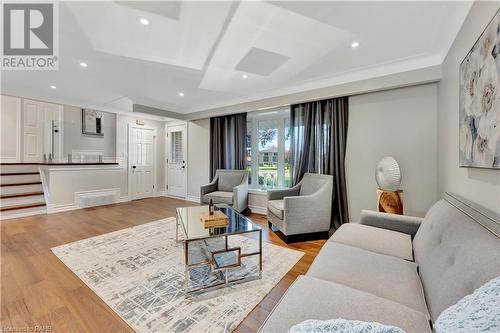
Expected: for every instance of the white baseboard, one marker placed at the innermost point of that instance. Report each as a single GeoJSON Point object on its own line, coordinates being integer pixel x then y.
{"type": "Point", "coordinates": [123, 199]}
{"type": "Point", "coordinates": [51, 208]}
{"type": "Point", "coordinates": [193, 198]}
{"type": "Point", "coordinates": [258, 210]}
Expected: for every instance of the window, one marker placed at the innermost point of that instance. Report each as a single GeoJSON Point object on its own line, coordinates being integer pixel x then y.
{"type": "Point", "coordinates": [176, 147]}
{"type": "Point", "coordinates": [268, 148]}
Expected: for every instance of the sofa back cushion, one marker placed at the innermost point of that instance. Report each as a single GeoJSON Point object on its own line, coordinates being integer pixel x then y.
{"type": "Point", "coordinates": [457, 249]}
{"type": "Point", "coordinates": [229, 179]}
{"type": "Point", "coordinates": [312, 182]}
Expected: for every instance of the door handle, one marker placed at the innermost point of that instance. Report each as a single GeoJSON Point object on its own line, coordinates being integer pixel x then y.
{"type": "Point", "coordinates": [183, 166]}
{"type": "Point", "coordinates": [133, 167]}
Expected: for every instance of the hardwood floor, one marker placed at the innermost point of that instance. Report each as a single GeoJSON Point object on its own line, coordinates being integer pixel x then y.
{"type": "Point", "coordinates": [38, 290]}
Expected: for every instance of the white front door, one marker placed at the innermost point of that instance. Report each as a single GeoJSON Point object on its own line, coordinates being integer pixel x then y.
{"type": "Point", "coordinates": [142, 161]}
{"type": "Point", "coordinates": [176, 161]}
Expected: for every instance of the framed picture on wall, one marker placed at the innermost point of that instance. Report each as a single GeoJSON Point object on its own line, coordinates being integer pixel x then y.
{"type": "Point", "coordinates": [479, 105]}
{"type": "Point", "coordinates": [92, 122]}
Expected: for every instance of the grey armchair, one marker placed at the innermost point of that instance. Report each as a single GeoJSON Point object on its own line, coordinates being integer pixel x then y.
{"type": "Point", "coordinates": [228, 187]}
{"type": "Point", "coordinates": [302, 209]}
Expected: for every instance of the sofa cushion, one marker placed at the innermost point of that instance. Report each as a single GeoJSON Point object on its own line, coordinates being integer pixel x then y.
{"type": "Point", "coordinates": [219, 197]}
{"type": "Point", "coordinates": [374, 239]}
{"type": "Point", "coordinates": [229, 180]}
{"type": "Point", "coordinates": [379, 274]}
{"type": "Point", "coordinates": [455, 253]}
{"type": "Point", "coordinates": [276, 207]}
{"type": "Point", "coordinates": [311, 298]}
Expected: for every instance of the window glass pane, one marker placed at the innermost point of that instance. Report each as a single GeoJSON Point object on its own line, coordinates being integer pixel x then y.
{"type": "Point", "coordinates": [288, 156]}
{"type": "Point", "coordinates": [176, 148]}
{"type": "Point", "coordinates": [268, 153]}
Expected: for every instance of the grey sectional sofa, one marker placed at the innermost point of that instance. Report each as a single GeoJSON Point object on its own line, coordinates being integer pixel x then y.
{"type": "Point", "coordinates": [396, 270]}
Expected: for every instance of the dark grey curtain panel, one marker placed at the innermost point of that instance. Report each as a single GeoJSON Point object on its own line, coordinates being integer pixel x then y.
{"type": "Point", "coordinates": [318, 145]}
{"type": "Point", "coordinates": [228, 142]}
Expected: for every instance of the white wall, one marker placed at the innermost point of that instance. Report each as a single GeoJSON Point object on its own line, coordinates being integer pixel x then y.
{"type": "Point", "coordinates": [479, 185]}
{"type": "Point", "coordinates": [198, 156]}
{"type": "Point", "coordinates": [74, 139]}
{"type": "Point", "coordinates": [400, 123]}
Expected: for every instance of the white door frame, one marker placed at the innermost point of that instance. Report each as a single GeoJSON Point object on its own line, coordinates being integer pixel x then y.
{"type": "Point", "coordinates": [129, 164]}
{"type": "Point", "coordinates": [167, 153]}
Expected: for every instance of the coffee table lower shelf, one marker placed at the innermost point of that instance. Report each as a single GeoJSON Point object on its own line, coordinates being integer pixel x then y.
{"type": "Point", "coordinates": [214, 264]}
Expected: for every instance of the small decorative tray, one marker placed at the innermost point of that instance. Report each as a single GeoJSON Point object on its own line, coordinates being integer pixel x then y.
{"type": "Point", "coordinates": [218, 219]}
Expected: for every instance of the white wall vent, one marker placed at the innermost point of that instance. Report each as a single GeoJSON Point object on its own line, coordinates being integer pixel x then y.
{"type": "Point", "coordinates": [97, 198]}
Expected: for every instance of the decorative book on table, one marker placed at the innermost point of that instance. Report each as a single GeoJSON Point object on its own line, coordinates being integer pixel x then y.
{"type": "Point", "coordinates": [218, 219]}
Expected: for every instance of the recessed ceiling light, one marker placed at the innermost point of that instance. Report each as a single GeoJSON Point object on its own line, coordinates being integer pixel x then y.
{"type": "Point", "coordinates": [83, 64]}
{"type": "Point", "coordinates": [244, 76]}
{"type": "Point", "coordinates": [143, 20]}
{"type": "Point", "coordinates": [354, 45]}
{"type": "Point", "coordinates": [181, 94]}
{"type": "Point", "coordinates": [53, 87]}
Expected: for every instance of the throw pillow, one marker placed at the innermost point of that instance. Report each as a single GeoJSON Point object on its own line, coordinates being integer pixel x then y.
{"type": "Point", "coordinates": [342, 326]}
{"type": "Point", "coordinates": [477, 312]}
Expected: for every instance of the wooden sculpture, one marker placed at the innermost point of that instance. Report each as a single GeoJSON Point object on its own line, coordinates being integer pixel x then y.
{"type": "Point", "coordinates": [390, 201]}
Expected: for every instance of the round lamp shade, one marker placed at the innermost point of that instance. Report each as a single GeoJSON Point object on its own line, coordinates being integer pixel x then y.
{"type": "Point", "coordinates": [388, 174]}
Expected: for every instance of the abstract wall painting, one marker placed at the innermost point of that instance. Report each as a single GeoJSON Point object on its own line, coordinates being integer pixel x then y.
{"type": "Point", "coordinates": [480, 101]}
{"type": "Point", "coordinates": [92, 122]}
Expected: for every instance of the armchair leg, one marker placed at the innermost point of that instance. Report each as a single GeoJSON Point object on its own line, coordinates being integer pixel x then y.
{"type": "Point", "coordinates": [270, 225]}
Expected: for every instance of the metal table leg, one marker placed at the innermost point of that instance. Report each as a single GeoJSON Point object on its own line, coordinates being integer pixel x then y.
{"type": "Point", "coordinates": [260, 253]}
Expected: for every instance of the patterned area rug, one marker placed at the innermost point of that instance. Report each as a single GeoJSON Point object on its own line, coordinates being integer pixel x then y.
{"type": "Point", "coordinates": [139, 273]}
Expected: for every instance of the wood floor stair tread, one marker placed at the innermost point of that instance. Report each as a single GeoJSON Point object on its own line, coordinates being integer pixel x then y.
{"type": "Point", "coordinates": [18, 195]}
{"type": "Point", "coordinates": [20, 184]}
{"type": "Point", "coordinates": [18, 173]}
{"type": "Point", "coordinates": [23, 206]}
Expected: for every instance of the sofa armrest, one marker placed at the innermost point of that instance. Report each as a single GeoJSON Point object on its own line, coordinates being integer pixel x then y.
{"type": "Point", "coordinates": [240, 197]}
{"type": "Point", "coordinates": [212, 187]}
{"type": "Point", "coordinates": [402, 223]}
{"type": "Point", "coordinates": [280, 194]}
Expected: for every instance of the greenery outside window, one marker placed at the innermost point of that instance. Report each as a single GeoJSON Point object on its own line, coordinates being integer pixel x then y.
{"type": "Point", "coordinates": [268, 148]}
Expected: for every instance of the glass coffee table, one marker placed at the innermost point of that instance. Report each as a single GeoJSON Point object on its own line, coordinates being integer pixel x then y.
{"type": "Point", "coordinates": [213, 258]}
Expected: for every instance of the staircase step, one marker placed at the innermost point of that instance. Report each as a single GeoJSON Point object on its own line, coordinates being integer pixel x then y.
{"type": "Point", "coordinates": [20, 189]}
{"type": "Point", "coordinates": [21, 184]}
{"type": "Point", "coordinates": [20, 179]}
{"type": "Point", "coordinates": [16, 213]}
{"type": "Point", "coordinates": [17, 195]}
{"type": "Point", "coordinates": [24, 206]}
{"type": "Point", "coordinates": [25, 200]}
{"type": "Point", "coordinates": [17, 168]}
